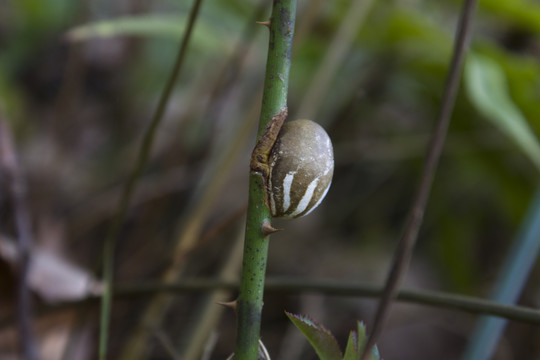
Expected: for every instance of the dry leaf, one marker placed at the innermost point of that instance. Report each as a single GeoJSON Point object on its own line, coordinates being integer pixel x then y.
{"type": "Point", "coordinates": [53, 277]}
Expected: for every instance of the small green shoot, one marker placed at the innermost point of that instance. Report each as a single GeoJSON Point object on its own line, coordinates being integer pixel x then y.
{"type": "Point", "coordinates": [356, 344]}
{"type": "Point", "coordinates": [325, 344]}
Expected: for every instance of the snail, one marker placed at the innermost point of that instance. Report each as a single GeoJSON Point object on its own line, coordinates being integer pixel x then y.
{"type": "Point", "coordinates": [301, 169]}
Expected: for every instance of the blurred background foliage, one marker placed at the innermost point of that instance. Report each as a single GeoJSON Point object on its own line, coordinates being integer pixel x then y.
{"type": "Point", "coordinates": [79, 82]}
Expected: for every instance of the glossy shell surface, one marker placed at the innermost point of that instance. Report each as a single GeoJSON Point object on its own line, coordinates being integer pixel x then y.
{"type": "Point", "coordinates": [302, 166]}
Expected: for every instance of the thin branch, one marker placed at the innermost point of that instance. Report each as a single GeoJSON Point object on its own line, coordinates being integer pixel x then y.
{"type": "Point", "coordinates": [410, 234]}
{"type": "Point", "coordinates": [112, 235]}
{"type": "Point", "coordinates": [190, 229]}
{"type": "Point", "coordinates": [17, 187]}
{"type": "Point", "coordinates": [189, 236]}
{"type": "Point", "coordinates": [439, 299]}
{"type": "Point", "coordinates": [341, 288]}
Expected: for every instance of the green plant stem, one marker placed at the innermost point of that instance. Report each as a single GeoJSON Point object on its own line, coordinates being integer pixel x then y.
{"type": "Point", "coordinates": [142, 158]}
{"type": "Point", "coordinates": [250, 299]}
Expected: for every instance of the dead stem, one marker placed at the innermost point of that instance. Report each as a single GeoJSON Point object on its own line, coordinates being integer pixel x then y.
{"type": "Point", "coordinates": [407, 242]}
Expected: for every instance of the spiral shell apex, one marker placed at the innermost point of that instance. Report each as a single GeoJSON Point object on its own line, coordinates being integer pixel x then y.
{"type": "Point", "coordinates": [301, 169]}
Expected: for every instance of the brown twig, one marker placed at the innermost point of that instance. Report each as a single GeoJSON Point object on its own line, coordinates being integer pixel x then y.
{"type": "Point", "coordinates": [17, 188]}
{"type": "Point", "coordinates": [131, 185]}
{"type": "Point", "coordinates": [189, 233]}
{"type": "Point", "coordinates": [410, 234]}
{"type": "Point", "coordinates": [450, 301]}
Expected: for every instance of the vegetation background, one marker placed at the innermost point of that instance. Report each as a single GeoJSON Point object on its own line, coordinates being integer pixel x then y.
{"type": "Point", "coordinates": [79, 82]}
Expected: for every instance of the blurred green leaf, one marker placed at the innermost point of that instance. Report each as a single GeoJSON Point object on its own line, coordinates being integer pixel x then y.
{"type": "Point", "coordinates": [523, 75]}
{"type": "Point", "coordinates": [167, 26]}
{"type": "Point", "coordinates": [34, 14]}
{"type": "Point", "coordinates": [321, 339]}
{"type": "Point", "coordinates": [417, 34]}
{"type": "Point", "coordinates": [146, 25]}
{"type": "Point", "coordinates": [520, 12]}
{"type": "Point", "coordinates": [488, 90]}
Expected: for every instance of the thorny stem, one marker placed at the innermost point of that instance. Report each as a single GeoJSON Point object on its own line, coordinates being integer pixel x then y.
{"type": "Point", "coordinates": [274, 103]}
{"type": "Point", "coordinates": [144, 152]}
{"type": "Point", "coordinates": [410, 234]}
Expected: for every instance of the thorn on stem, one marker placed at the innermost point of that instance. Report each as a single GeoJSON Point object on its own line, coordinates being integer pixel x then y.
{"type": "Point", "coordinates": [268, 229]}
{"type": "Point", "coordinates": [265, 23]}
{"type": "Point", "coordinates": [228, 304]}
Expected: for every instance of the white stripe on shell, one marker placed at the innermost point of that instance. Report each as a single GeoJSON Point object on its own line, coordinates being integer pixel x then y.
{"type": "Point", "coordinates": [273, 205]}
{"type": "Point", "coordinates": [272, 201]}
{"type": "Point", "coordinates": [287, 183]}
{"type": "Point", "coordinates": [306, 199]}
{"type": "Point", "coordinates": [320, 200]}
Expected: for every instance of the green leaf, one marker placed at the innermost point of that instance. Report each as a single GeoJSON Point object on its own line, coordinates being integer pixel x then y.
{"type": "Point", "coordinates": [322, 340]}
{"type": "Point", "coordinates": [356, 344]}
{"type": "Point", "coordinates": [351, 351]}
{"type": "Point", "coordinates": [488, 90]}
{"type": "Point", "coordinates": [362, 340]}
{"type": "Point", "coordinates": [145, 25]}
{"type": "Point", "coordinates": [157, 25]}
{"type": "Point", "coordinates": [523, 13]}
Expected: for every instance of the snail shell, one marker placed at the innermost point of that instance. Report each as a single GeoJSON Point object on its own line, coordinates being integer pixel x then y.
{"type": "Point", "coordinates": [301, 169]}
